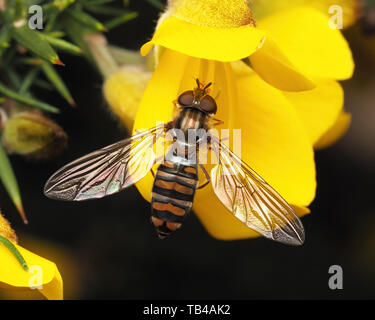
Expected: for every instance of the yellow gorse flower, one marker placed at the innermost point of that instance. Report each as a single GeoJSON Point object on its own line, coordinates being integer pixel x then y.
{"type": "Point", "coordinates": [41, 274]}
{"type": "Point", "coordinates": [274, 78]}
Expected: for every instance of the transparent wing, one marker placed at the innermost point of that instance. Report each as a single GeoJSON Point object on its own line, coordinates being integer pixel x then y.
{"type": "Point", "coordinates": [252, 200]}
{"type": "Point", "coordinates": [106, 171]}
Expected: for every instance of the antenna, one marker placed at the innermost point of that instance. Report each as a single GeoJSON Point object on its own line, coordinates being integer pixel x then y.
{"type": "Point", "coordinates": [207, 86]}
{"type": "Point", "coordinates": [198, 83]}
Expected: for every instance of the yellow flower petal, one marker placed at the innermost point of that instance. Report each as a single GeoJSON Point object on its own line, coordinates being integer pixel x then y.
{"type": "Point", "coordinates": [305, 37]}
{"type": "Point", "coordinates": [351, 8]}
{"type": "Point", "coordinates": [318, 108]}
{"type": "Point", "coordinates": [340, 127]}
{"type": "Point", "coordinates": [275, 68]}
{"type": "Point", "coordinates": [221, 44]}
{"type": "Point", "coordinates": [54, 289]}
{"type": "Point", "coordinates": [275, 145]}
{"type": "Point", "coordinates": [41, 273]}
{"type": "Point", "coordinates": [220, 223]}
{"type": "Point", "coordinates": [274, 140]}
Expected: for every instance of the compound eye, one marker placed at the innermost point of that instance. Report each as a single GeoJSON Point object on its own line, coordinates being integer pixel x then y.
{"type": "Point", "coordinates": [186, 99]}
{"type": "Point", "coordinates": [208, 104]}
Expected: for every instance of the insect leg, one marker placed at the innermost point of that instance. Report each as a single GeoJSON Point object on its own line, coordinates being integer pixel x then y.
{"type": "Point", "coordinates": [218, 122]}
{"type": "Point", "coordinates": [206, 175]}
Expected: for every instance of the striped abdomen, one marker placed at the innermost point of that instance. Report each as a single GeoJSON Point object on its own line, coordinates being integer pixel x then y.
{"type": "Point", "coordinates": [172, 196]}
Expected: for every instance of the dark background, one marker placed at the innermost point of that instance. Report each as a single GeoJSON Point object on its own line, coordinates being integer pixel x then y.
{"type": "Point", "coordinates": [107, 249]}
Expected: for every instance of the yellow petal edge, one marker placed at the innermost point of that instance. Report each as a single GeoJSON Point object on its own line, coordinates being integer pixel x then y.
{"type": "Point", "coordinates": [42, 272]}
{"type": "Point", "coordinates": [336, 132]}
{"type": "Point", "coordinates": [275, 68]}
{"type": "Point", "coordinates": [220, 44]}
{"type": "Point", "coordinates": [305, 37]}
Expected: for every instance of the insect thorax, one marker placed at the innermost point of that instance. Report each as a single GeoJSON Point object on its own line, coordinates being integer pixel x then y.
{"type": "Point", "coordinates": [190, 118]}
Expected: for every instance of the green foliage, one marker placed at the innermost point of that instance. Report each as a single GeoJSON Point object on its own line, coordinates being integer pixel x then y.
{"type": "Point", "coordinates": [9, 180]}
{"type": "Point", "coordinates": [12, 248]}
{"type": "Point", "coordinates": [29, 57]}
{"type": "Point", "coordinates": [368, 4]}
{"type": "Point", "coordinates": [18, 42]}
{"type": "Point", "coordinates": [157, 3]}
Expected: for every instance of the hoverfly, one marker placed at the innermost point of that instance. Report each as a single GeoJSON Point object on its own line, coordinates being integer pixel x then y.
{"type": "Point", "coordinates": [242, 191]}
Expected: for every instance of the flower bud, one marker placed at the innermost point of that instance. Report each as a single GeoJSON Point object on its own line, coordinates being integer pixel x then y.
{"type": "Point", "coordinates": [6, 230]}
{"type": "Point", "coordinates": [124, 90]}
{"type": "Point", "coordinates": [33, 135]}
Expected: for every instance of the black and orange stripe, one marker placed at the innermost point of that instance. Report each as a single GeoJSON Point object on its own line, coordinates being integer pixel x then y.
{"type": "Point", "coordinates": [175, 183]}
{"type": "Point", "coordinates": [172, 196]}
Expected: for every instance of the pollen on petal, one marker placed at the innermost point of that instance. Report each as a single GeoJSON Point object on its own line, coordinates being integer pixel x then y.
{"type": "Point", "coordinates": [213, 13]}
{"type": "Point", "coordinates": [6, 230]}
